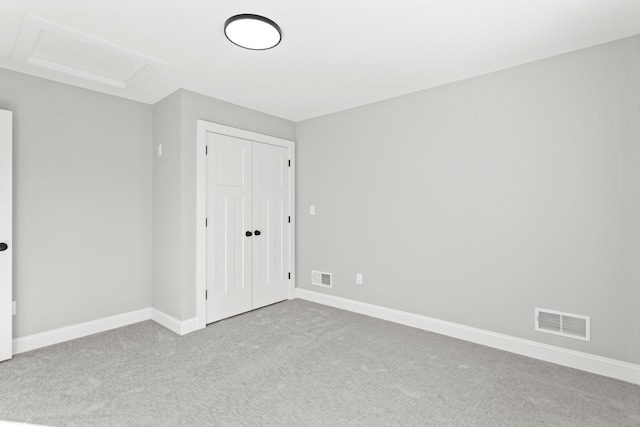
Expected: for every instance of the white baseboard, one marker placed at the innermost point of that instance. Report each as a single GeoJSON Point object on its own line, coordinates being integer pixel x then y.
{"type": "Point", "coordinates": [55, 336]}
{"type": "Point", "coordinates": [574, 359]}
{"type": "Point", "coordinates": [180, 327]}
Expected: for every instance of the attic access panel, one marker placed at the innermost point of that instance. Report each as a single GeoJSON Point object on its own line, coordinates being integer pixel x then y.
{"type": "Point", "coordinates": [55, 48]}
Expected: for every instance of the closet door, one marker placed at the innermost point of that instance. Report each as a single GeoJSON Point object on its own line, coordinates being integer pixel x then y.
{"type": "Point", "coordinates": [271, 224]}
{"type": "Point", "coordinates": [5, 234]}
{"type": "Point", "coordinates": [229, 211]}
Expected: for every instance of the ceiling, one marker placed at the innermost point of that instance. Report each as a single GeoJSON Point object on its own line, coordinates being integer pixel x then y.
{"type": "Point", "coordinates": [335, 54]}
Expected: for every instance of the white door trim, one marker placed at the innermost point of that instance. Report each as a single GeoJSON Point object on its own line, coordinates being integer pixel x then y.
{"type": "Point", "coordinates": [201, 206]}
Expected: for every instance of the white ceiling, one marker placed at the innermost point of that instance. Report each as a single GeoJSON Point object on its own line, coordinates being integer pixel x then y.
{"type": "Point", "coordinates": [335, 54]}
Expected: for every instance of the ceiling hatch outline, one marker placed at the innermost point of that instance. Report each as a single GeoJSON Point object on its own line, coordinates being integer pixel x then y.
{"type": "Point", "coordinates": [53, 47]}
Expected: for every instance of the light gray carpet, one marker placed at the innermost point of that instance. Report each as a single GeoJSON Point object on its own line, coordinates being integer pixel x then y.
{"type": "Point", "coordinates": [298, 363]}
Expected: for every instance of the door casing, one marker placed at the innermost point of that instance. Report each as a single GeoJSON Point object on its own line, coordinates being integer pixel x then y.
{"type": "Point", "coordinates": [203, 127]}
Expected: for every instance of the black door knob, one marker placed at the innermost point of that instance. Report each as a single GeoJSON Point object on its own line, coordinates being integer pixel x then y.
{"type": "Point", "coordinates": [258, 232]}
{"type": "Point", "coordinates": [3, 247]}
{"type": "Point", "coordinates": [248, 234]}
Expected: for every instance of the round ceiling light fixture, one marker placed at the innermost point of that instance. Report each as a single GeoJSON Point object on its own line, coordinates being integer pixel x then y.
{"type": "Point", "coordinates": [253, 32]}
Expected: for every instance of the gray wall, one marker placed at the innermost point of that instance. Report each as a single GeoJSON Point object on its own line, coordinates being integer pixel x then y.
{"type": "Point", "coordinates": [82, 203]}
{"type": "Point", "coordinates": [477, 201]}
{"type": "Point", "coordinates": [175, 188]}
{"type": "Point", "coordinates": [166, 206]}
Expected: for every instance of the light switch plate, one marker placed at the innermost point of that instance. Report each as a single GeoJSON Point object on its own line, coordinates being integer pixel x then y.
{"type": "Point", "coordinates": [312, 210]}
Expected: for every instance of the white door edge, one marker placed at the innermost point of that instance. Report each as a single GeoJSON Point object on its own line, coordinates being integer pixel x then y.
{"type": "Point", "coordinates": [6, 234]}
{"type": "Point", "coordinates": [203, 127]}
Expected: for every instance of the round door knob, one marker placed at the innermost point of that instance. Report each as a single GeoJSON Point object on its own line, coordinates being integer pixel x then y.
{"type": "Point", "coordinates": [258, 232]}
{"type": "Point", "coordinates": [248, 234]}
{"type": "Point", "coordinates": [3, 247]}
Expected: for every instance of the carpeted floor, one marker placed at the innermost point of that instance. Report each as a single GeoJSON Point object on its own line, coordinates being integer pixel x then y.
{"type": "Point", "coordinates": [298, 363]}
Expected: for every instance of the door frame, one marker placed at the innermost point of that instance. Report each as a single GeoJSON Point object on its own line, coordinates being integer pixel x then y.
{"type": "Point", "coordinates": [205, 127]}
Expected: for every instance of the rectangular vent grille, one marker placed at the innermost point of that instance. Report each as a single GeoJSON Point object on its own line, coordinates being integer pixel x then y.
{"type": "Point", "coordinates": [321, 279]}
{"type": "Point", "coordinates": [565, 324]}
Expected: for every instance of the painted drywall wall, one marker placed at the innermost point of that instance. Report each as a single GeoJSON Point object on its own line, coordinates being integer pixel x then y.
{"type": "Point", "coordinates": [82, 203]}
{"type": "Point", "coordinates": [167, 268]}
{"type": "Point", "coordinates": [478, 201]}
{"type": "Point", "coordinates": [174, 283]}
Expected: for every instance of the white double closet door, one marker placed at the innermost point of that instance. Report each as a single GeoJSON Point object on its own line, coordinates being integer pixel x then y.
{"type": "Point", "coordinates": [247, 225]}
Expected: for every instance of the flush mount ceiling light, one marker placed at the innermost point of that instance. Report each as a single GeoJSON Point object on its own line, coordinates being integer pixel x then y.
{"type": "Point", "coordinates": [253, 32]}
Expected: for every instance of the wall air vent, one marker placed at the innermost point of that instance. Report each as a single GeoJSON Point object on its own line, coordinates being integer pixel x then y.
{"type": "Point", "coordinates": [321, 279]}
{"type": "Point", "coordinates": [565, 324]}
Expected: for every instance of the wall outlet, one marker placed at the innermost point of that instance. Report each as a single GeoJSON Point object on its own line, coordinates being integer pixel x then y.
{"type": "Point", "coordinates": [13, 308]}
{"type": "Point", "coordinates": [358, 278]}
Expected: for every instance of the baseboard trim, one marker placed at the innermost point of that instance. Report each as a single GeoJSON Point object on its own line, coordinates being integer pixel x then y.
{"type": "Point", "coordinates": [56, 336]}
{"type": "Point", "coordinates": [67, 333]}
{"type": "Point", "coordinates": [180, 327]}
{"type": "Point", "coordinates": [574, 359]}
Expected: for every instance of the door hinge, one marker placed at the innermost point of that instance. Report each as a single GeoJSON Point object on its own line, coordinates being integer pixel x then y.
{"type": "Point", "coordinates": [289, 276]}
{"type": "Point", "coordinates": [206, 149]}
{"type": "Point", "coordinates": [206, 294]}
{"type": "Point", "coordinates": [206, 222]}
{"type": "Point", "coordinates": [289, 220]}
{"type": "Point", "coordinates": [289, 163]}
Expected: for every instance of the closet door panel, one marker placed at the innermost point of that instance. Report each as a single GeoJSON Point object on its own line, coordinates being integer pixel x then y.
{"type": "Point", "coordinates": [229, 211]}
{"type": "Point", "coordinates": [271, 220]}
